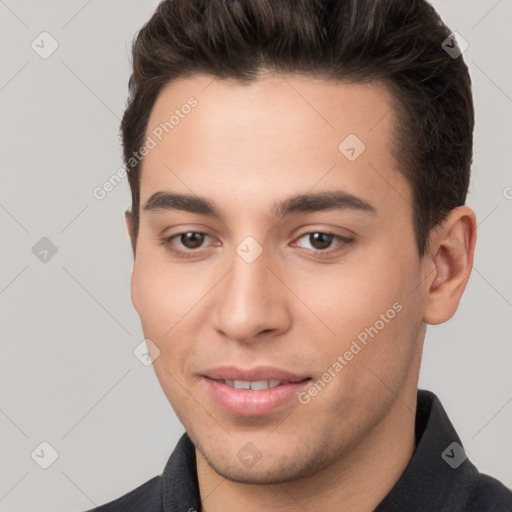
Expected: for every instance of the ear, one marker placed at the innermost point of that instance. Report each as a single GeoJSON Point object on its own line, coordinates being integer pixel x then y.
{"type": "Point", "coordinates": [130, 227]}
{"type": "Point", "coordinates": [451, 249]}
{"type": "Point", "coordinates": [132, 232]}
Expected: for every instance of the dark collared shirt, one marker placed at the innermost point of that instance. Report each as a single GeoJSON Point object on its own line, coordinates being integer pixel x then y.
{"type": "Point", "coordinates": [438, 477]}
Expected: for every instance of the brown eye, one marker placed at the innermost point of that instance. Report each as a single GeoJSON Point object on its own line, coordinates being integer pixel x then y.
{"type": "Point", "coordinates": [192, 239]}
{"type": "Point", "coordinates": [321, 243]}
{"type": "Point", "coordinates": [320, 240]}
{"type": "Point", "coordinates": [187, 244]}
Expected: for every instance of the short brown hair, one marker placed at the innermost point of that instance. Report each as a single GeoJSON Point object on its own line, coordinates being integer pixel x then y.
{"type": "Point", "coordinates": [395, 41]}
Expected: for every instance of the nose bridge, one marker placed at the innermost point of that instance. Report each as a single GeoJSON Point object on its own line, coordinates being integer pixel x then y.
{"type": "Point", "coordinates": [249, 301]}
{"type": "Point", "coordinates": [247, 285]}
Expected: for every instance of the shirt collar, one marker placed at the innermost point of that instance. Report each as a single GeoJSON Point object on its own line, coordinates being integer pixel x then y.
{"type": "Point", "coordinates": [438, 476]}
{"type": "Point", "coordinates": [180, 487]}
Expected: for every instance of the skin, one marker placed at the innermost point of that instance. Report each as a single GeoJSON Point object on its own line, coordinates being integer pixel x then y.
{"type": "Point", "coordinates": [245, 147]}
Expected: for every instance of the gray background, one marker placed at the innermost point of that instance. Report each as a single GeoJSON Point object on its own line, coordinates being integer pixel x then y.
{"type": "Point", "coordinates": [68, 375]}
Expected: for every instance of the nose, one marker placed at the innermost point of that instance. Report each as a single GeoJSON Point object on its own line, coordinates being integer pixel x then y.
{"type": "Point", "coordinates": [252, 303]}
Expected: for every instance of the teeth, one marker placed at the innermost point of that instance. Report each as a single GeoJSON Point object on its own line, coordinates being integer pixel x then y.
{"type": "Point", "coordinates": [256, 385]}
{"type": "Point", "coordinates": [242, 384]}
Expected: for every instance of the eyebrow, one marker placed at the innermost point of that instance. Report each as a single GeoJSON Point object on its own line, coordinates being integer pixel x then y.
{"type": "Point", "coordinates": [301, 203]}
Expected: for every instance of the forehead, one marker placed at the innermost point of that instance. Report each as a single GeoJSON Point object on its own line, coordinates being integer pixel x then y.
{"type": "Point", "coordinates": [280, 134]}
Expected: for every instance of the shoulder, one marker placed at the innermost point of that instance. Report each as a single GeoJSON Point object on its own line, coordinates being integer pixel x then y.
{"type": "Point", "coordinates": [147, 497]}
{"type": "Point", "coordinates": [490, 495]}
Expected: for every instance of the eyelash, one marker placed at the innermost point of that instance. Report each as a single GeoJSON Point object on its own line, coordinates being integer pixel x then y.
{"type": "Point", "coordinates": [343, 241]}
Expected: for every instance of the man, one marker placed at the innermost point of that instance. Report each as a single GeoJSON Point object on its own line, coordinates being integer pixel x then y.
{"type": "Point", "coordinates": [299, 173]}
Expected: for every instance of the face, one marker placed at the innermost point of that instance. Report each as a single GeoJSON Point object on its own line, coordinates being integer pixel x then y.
{"type": "Point", "coordinates": [276, 271]}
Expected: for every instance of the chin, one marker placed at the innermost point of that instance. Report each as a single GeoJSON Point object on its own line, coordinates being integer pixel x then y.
{"type": "Point", "coordinates": [278, 469]}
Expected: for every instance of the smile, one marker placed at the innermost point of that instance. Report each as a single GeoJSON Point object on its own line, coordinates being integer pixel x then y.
{"type": "Point", "coordinates": [255, 385]}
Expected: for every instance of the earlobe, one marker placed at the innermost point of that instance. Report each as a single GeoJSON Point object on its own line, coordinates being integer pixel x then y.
{"type": "Point", "coordinates": [452, 251]}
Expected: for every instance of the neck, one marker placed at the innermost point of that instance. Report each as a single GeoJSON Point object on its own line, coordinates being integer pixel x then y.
{"type": "Point", "coordinates": [356, 482]}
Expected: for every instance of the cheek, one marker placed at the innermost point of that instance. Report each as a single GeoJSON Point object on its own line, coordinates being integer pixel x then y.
{"type": "Point", "coordinates": [371, 306]}
{"type": "Point", "coordinates": [169, 299]}
{"type": "Point", "coordinates": [162, 293]}
{"type": "Point", "coordinates": [163, 298]}
{"type": "Point", "coordinates": [378, 329]}
{"type": "Point", "coordinates": [354, 297]}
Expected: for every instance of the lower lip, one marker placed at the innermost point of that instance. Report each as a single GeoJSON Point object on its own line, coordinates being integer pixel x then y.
{"type": "Point", "coordinates": [247, 402]}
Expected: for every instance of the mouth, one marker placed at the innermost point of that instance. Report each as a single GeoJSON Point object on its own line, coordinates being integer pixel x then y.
{"type": "Point", "coordinates": [255, 385]}
{"type": "Point", "coordinates": [253, 392]}
{"type": "Point", "coordinates": [273, 375]}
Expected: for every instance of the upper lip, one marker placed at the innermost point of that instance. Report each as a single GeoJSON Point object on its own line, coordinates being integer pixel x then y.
{"type": "Point", "coordinates": [252, 374]}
